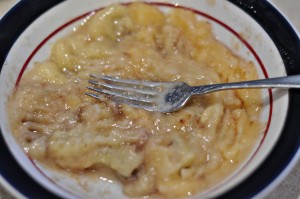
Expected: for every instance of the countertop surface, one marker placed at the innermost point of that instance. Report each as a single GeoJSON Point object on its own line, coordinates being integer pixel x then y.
{"type": "Point", "coordinates": [289, 188]}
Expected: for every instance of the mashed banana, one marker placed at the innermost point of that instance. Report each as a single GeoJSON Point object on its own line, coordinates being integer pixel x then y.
{"type": "Point", "coordinates": [169, 155]}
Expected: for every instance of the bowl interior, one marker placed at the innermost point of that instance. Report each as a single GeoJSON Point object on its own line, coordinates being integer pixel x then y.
{"type": "Point", "coordinates": [237, 30]}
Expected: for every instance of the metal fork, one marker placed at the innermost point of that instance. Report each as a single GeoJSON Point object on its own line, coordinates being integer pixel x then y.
{"type": "Point", "coordinates": [171, 96]}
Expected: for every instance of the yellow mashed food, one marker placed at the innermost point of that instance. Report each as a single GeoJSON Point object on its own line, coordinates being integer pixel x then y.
{"type": "Point", "coordinates": [152, 154]}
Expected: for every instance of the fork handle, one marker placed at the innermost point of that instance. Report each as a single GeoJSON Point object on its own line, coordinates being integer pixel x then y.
{"type": "Point", "coordinates": [277, 82]}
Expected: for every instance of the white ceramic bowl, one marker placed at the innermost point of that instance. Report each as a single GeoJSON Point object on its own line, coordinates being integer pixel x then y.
{"type": "Point", "coordinates": [245, 27]}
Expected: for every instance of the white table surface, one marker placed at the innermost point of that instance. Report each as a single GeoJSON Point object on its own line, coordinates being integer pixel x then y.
{"type": "Point", "coordinates": [289, 188]}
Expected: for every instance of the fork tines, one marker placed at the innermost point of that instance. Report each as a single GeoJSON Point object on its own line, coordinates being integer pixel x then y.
{"type": "Point", "coordinates": [133, 92]}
